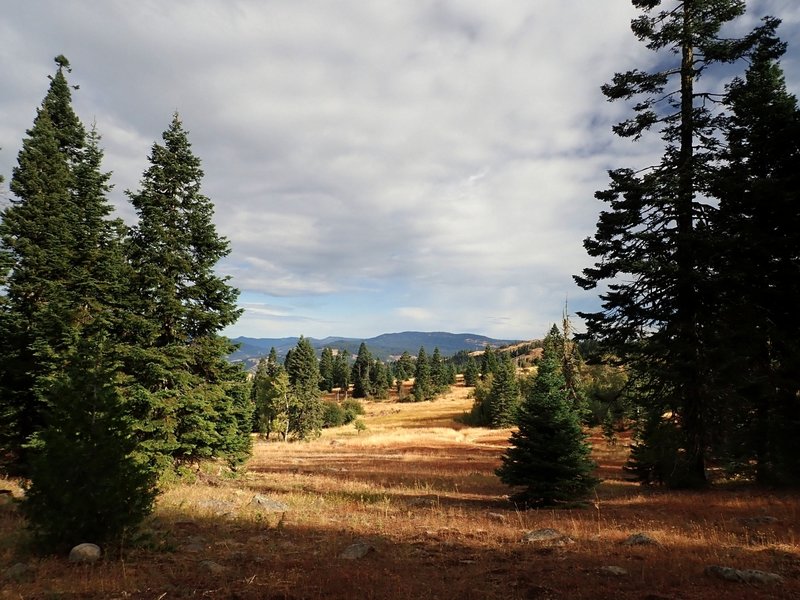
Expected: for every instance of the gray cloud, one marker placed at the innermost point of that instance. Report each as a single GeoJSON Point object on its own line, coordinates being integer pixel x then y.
{"type": "Point", "coordinates": [376, 165]}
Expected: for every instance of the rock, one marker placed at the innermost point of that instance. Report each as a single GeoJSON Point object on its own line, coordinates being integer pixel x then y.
{"type": "Point", "coordinates": [614, 571]}
{"type": "Point", "coordinates": [547, 535]}
{"type": "Point", "coordinates": [499, 517]}
{"type": "Point", "coordinates": [19, 572]}
{"type": "Point", "coordinates": [743, 575]}
{"type": "Point", "coordinates": [640, 539]}
{"type": "Point", "coordinates": [85, 553]}
{"type": "Point", "coordinates": [357, 551]}
{"type": "Point", "coordinates": [193, 548]}
{"type": "Point", "coordinates": [218, 507]}
{"type": "Point", "coordinates": [268, 504]}
{"type": "Point", "coordinates": [209, 566]}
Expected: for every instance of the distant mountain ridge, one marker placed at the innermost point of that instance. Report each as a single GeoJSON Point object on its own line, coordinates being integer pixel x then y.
{"type": "Point", "coordinates": [385, 346]}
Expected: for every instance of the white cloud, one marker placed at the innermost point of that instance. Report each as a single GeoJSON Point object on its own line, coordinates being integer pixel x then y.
{"type": "Point", "coordinates": [376, 165]}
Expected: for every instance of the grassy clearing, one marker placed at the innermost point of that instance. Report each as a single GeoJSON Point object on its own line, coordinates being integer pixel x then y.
{"type": "Point", "coordinates": [419, 487]}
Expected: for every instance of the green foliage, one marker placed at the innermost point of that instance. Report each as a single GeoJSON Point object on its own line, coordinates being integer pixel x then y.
{"type": "Point", "coordinates": [489, 362]}
{"type": "Point", "coordinates": [423, 385]}
{"type": "Point", "coordinates": [333, 414]}
{"type": "Point", "coordinates": [548, 456]}
{"type": "Point", "coordinates": [326, 370]}
{"type": "Point", "coordinates": [362, 382]}
{"type": "Point", "coordinates": [471, 373]}
{"type": "Point", "coordinates": [87, 483]}
{"type": "Point", "coordinates": [404, 367]}
{"type": "Point", "coordinates": [341, 371]}
{"type": "Point", "coordinates": [352, 408]}
{"type": "Point", "coordinates": [480, 415]}
{"type": "Point", "coordinates": [503, 399]}
{"type": "Point", "coordinates": [305, 410]}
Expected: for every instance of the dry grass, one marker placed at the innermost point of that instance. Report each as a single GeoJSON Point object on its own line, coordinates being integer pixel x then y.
{"type": "Point", "coordinates": [420, 488]}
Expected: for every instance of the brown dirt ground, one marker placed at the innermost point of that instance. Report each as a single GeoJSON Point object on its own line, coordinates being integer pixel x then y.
{"type": "Point", "coordinates": [419, 487]}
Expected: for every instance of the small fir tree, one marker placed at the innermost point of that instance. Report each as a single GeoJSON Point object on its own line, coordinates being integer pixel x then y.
{"type": "Point", "coordinates": [548, 457]}
{"type": "Point", "coordinates": [503, 399]}
{"type": "Point", "coordinates": [87, 481]}
{"type": "Point", "coordinates": [306, 409]}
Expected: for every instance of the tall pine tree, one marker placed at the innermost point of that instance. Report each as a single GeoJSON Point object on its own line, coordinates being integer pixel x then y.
{"type": "Point", "coordinates": [651, 244]}
{"type": "Point", "coordinates": [63, 260]}
{"type": "Point", "coordinates": [757, 230]}
{"type": "Point", "coordinates": [191, 401]}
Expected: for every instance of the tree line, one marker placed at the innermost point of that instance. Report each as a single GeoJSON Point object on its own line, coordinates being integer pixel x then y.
{"type": "Point", "coordinates": [287, 397]}
{"type": "Point", "coordinates": [112, 367]}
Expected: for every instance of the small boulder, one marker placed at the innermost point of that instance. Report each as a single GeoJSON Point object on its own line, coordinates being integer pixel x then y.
{"type": "Point", "coordinates": [357, 551]}
{"type": "Point", "coordinates": [499, 517]}
{"type": "Point", "coordinates": [743, 575]}
{"type": "Point", "coordinates": [268, 504]}
{"type": "Point", "coordinates": [614, 571]}
{"type": "Point", "coordinates": [546, 535]}
{"type": "Point", "coordinates": [85, 553]}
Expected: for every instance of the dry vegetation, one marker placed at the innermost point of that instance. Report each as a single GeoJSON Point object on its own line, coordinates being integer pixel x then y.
{"type": "Point", "coordinates": [419, 487]}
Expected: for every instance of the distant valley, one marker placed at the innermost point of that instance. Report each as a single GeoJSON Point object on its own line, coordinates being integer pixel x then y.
{"type": "Point", "coordinates": [387, 346]}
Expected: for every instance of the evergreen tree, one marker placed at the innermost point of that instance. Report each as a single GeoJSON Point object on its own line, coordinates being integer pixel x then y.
{"type": "Point", "coordinates": [757, 229]}
{"type": "Point", "coordinates": [362, 383]}
{"type": "Point", "coordinates": [188, 393]}
{"type": "Point", "coordinates": [341, 370]}
{"type": "Point", "coordinates": [503, 399]}
{"type": "Point", "coordinates": [651, 244]}
{"type": "Point", "coordinates": [404, 367]}
{"type": "Point", "coordinates": [378, 379]}
{"type": "Point", "coordinates": [61, 261]}
{"type": "Point", "coordinates": [489, 362]}
{"type": "Point", "coordinates": [471, 373]}
{"type": "Point", "coordinates": [548, 456]}
{"type": "Point", "coordinates": [439, 375]}
{"type": "Point", "coordinates": [326, 370]}
{"type": "Point", "coordinates": [87, 482]}
{"type": "Point", "coordinates": [270, 396]}
{"type": "Point", "coordinates": [306, 409]}
{"type": "Point", "coordinates": [423, 385]}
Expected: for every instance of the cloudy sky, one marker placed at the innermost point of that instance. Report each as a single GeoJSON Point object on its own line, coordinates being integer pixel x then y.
{"type": "Point", "coordinates": [378, 165]}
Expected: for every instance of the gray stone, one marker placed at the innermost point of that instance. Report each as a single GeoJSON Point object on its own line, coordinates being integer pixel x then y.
{"type": "Point", "coordinates": [614, 571]}
{"type": "Point", "coordinates": [546, 535]}
{"type": "Point", "coordinates": [85, 553]}
{"type": "Point", "coordinates": [218, 507]}
{"type": "Point", "coordinates": [209, 566]}
{"type": "Point", "coordinates": [19, 572]}
{"type": "Point", "coordinates": [640, 539]}
{"type": "Point", "coordinates": [499, 517]}
{"type": "Point", "coordinates": [268, 504]}
{"type": "Point", "coordinates": [743, 575]}
{"type": "Point", "coordinates": [357, 551]}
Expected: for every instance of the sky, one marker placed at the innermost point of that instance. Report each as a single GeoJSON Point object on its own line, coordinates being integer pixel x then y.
{"type": "Point", "coordinates": [377, 165]}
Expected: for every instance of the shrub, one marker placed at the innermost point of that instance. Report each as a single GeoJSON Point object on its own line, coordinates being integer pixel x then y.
{"type": "Point", "coordinates": [333, 415]}
{"type": "Point", "coordinates": [352, 409]}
